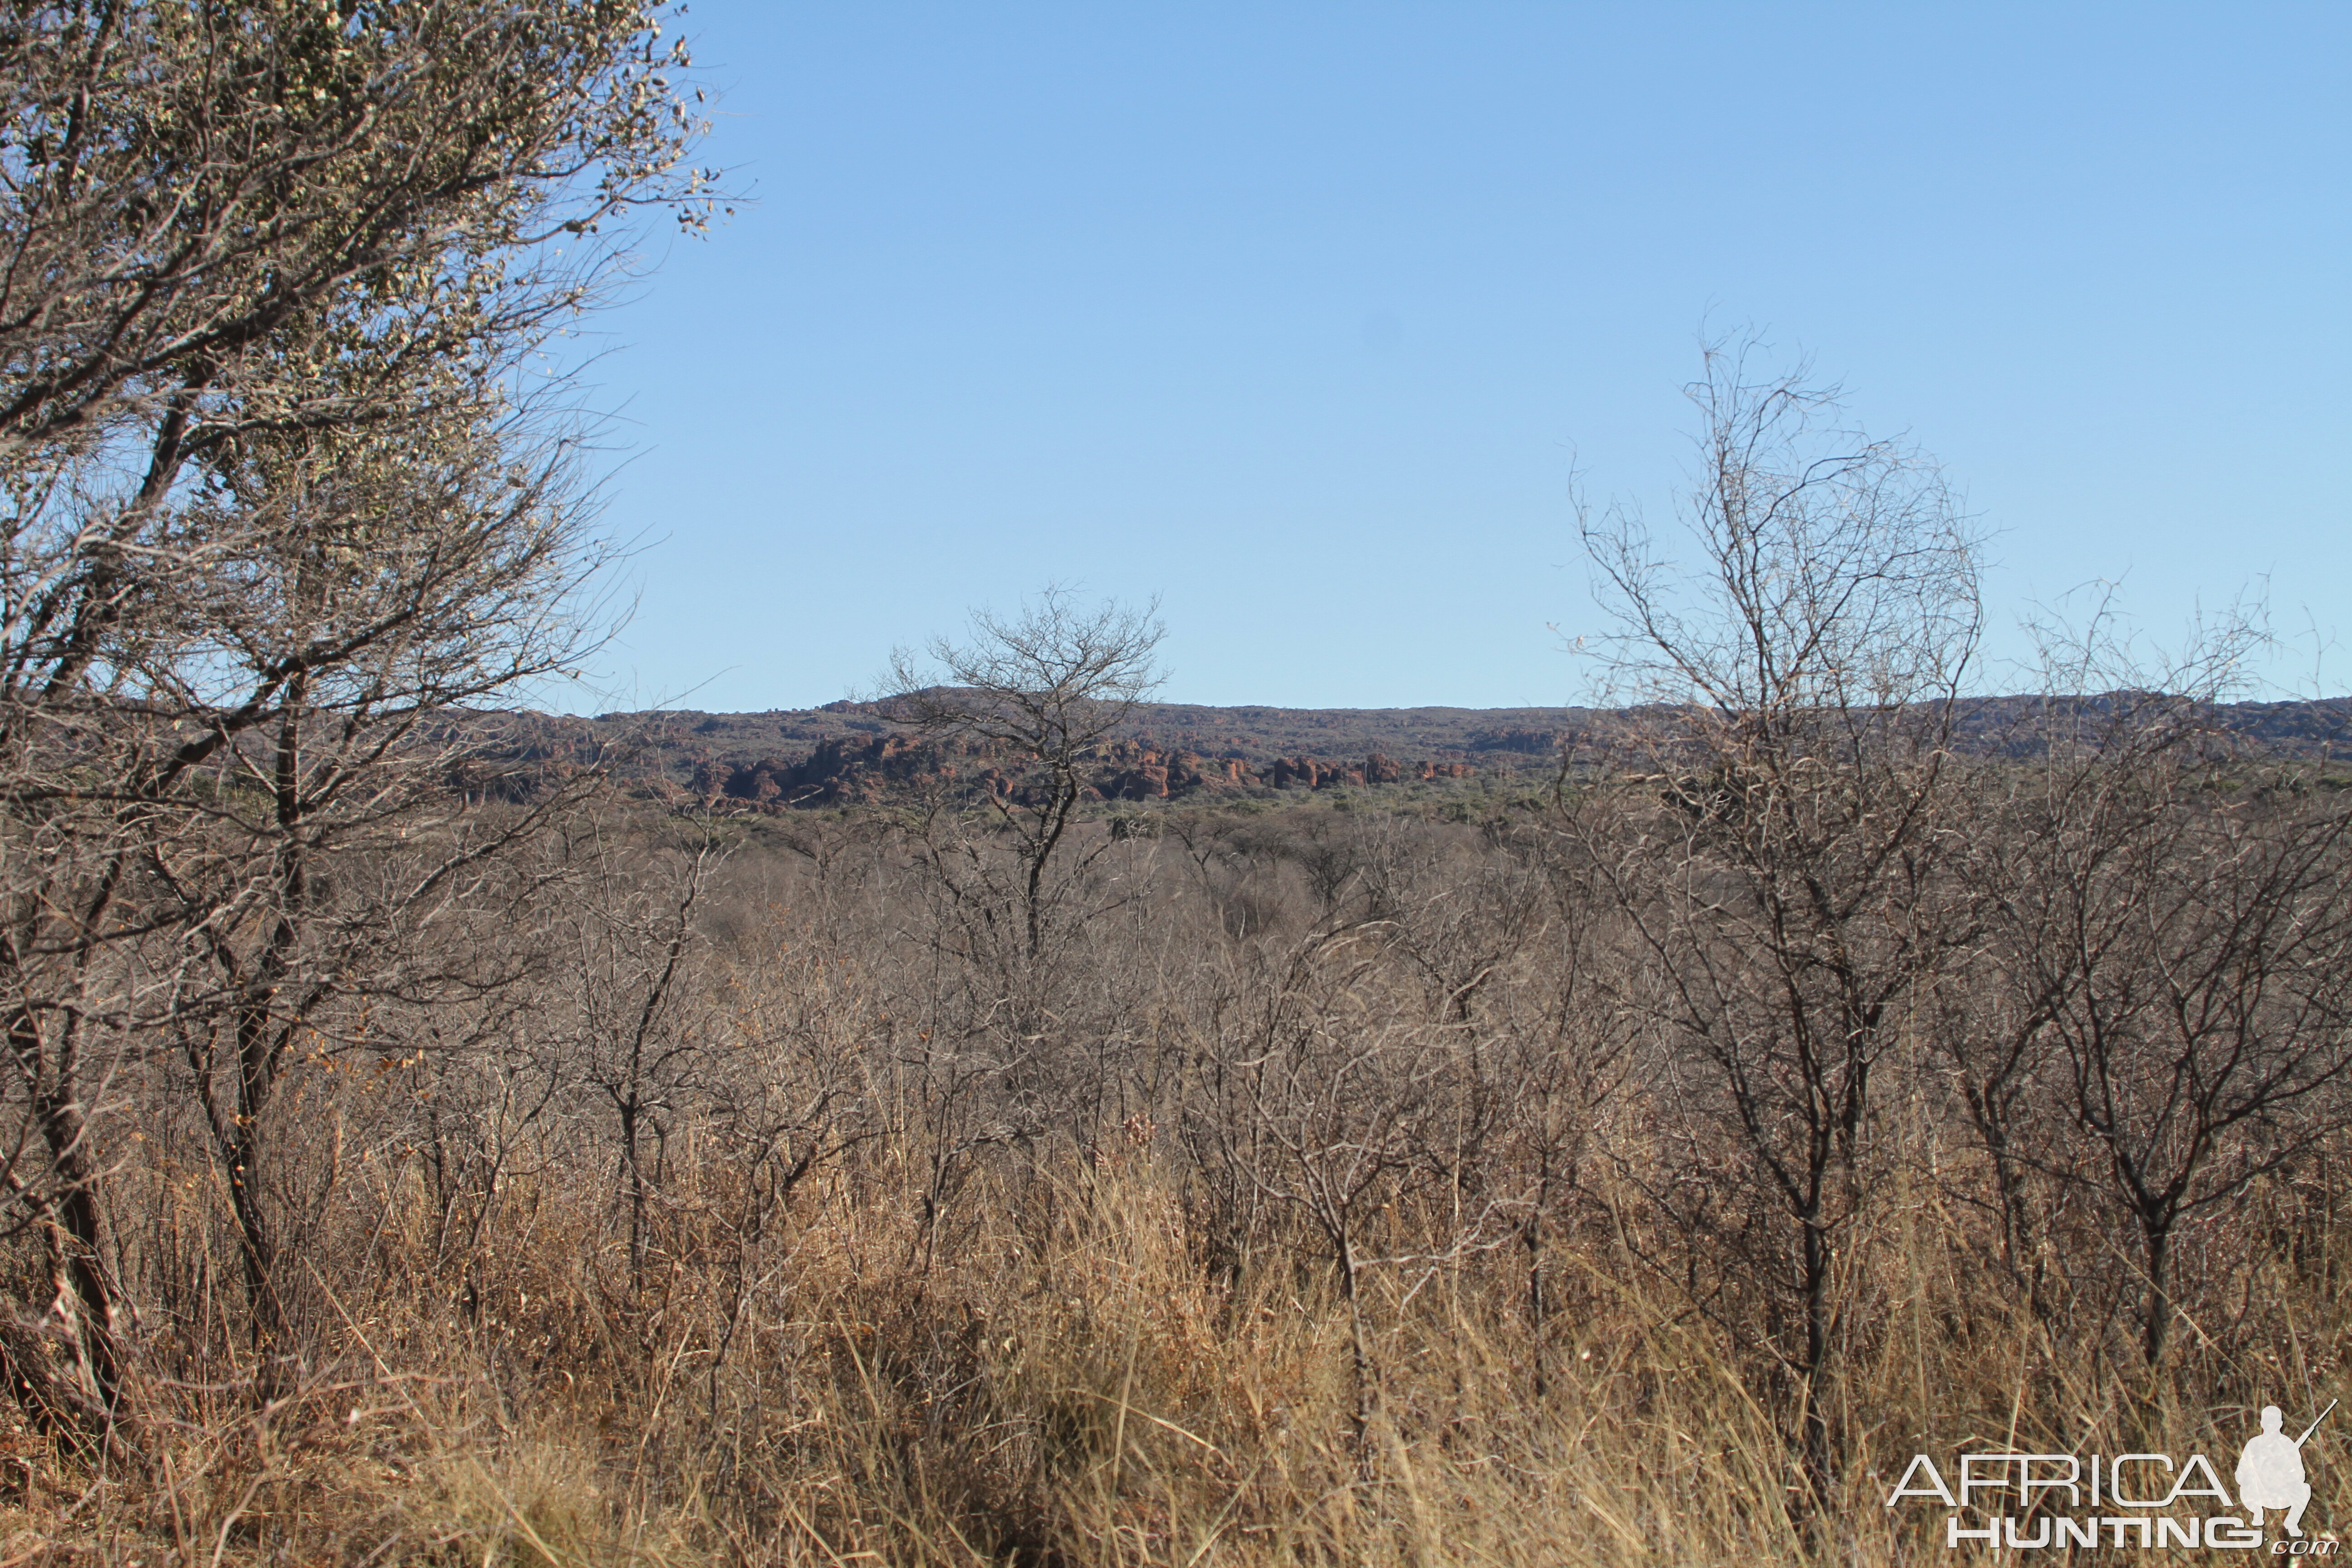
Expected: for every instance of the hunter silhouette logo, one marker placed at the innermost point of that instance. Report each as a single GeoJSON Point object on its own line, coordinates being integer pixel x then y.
{"type": "Point", "coordinates": [2010, 1500]}
{"type": "Point", "coordinates": [2270, 1471]}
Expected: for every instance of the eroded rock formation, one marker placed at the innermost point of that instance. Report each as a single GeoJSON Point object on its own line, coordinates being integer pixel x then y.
{"type": "Point", "coordinates": [864, 769]}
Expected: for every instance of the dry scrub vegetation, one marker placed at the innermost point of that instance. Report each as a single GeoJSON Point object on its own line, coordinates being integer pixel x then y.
{"type": "Point", "coordinates": [411, 1154]}
{"type": "Point", "coordinates": [774, 1216]}
{"type": "Point", "coordinates": [1654, 1167]}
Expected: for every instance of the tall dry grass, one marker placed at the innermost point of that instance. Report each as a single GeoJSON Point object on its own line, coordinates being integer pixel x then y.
{"type": "Point", "coordinates": [1069, 1387]}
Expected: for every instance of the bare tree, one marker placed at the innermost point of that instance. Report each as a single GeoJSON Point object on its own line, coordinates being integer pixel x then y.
{"type": "Point", "coordinates": [1352, 1109]}
{"type": "Point", "coordinates": [1775, 833]}
{"type": "Point", "coordinates": [1039, 692]}
{"type": "Point", "coordinates": [640, 1046]}
{"type": "Point", "coordinates": [2168, 945]}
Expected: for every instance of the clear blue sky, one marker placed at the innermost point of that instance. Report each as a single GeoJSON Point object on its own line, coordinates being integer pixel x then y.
{"type": "Point", "coordinates": [1302, 315]}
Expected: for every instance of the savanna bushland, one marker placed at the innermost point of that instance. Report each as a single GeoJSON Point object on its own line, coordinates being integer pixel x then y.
{"type": "Point", "coordinates": [424, 1143]}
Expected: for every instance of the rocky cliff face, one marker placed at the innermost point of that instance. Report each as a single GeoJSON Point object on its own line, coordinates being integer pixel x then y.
{"type": "Point", "coordinates": [846, 753]}
{"type": "Point", "coordinates": [845, 770]}
{"type": "Point", "coordinates": [863, 770]}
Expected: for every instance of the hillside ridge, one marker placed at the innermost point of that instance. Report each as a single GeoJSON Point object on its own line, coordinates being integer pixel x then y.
{"type": "Point", "coordinates": [845, 752]}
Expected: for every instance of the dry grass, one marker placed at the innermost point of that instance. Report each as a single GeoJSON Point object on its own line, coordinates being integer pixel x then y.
{"type": "Point", "coordinates": [1070, 1386]}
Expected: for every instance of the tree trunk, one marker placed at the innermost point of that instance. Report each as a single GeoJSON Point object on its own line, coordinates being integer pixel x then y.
{"type": "Point", "coordinates": [70, 1222]}
{"type": "Point", "coordinates": [2155, 1232]}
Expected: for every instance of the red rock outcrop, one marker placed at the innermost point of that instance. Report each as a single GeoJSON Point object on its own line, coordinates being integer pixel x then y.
{"type": "Point", "coordinates": [863, 769]}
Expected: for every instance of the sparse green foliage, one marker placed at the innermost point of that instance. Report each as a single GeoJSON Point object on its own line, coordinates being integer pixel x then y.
{"type": "Point", "coordinates": [286, 487]}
